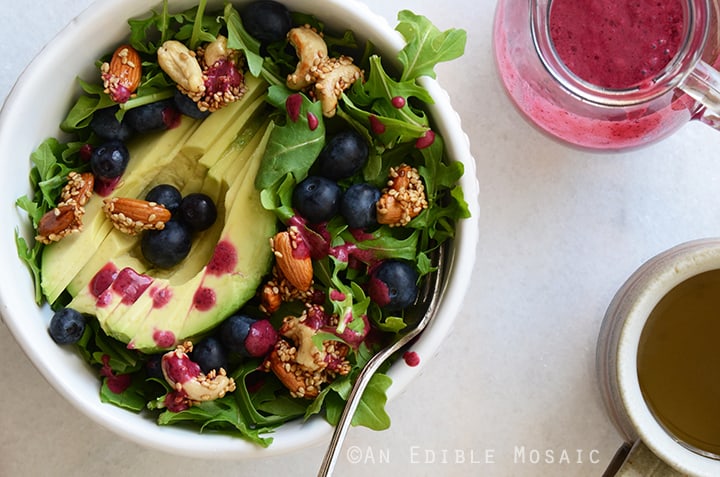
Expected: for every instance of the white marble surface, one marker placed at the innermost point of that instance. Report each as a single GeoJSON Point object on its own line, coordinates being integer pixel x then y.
{"type": "Point", "coordinates": [560, 232]}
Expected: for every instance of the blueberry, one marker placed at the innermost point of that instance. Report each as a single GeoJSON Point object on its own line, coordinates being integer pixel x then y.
{"type": "Point", "coordinates": [343, 155]}
{"type": "Point", "coordinates": [188, 107]}
{"type": "Point", "coordinates": [233, 332]}
{"type": "Point", "coordinates": [393, 285]}
{"type": "Point", "coordinates": [248, 336]}
{"type": "Point", "coordinates": [209, 354]}
{"type": "Point", "coordinates": [197, 211]}
{"type": "Point", "coordinates": [358, 205]}
{"type": "Point", "coordinates": [153, 366]}
{"type": "Point", "coordinates": [167, 247]}
{"type": "Point", "coordinates": [317, 199]}
{"type": "Point", "coordinates": [156, 116]}
{"type": "Point", "coordinates": [106, 126]}
{"type": "Point", "coordinates": [67, 326]}
{"type": "Point", "coordinates": [166, 195]}
{"type": "Point", "coordinates": [109, 159]}
{"type": "Point", "coordinates": [267, 21]}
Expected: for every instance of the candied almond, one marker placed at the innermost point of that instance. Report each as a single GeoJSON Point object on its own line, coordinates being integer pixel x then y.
{"type": "Point", "coordinates": [121, 77]}
{"type": "Point", "coordinates": [297, 269]}
{"type": "Point", "coordinates": [132, 216]}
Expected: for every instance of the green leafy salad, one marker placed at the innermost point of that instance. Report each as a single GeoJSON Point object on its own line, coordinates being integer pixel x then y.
{"type": "Point", "coordinates": [242, 210]}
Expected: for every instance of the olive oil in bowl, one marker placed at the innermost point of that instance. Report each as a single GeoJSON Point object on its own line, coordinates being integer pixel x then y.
{"type": "Point", "coordinates": [678, 362]}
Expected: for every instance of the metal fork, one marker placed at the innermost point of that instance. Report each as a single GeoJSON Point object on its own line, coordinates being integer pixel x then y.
{"type": "Point", "coordinates": [430, 296]}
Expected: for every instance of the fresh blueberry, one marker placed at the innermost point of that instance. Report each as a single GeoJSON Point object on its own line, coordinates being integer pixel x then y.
{"type": "Point", "coordinates": [109, 159]}
{"type": "Point", "coordinates": [343, 155]}
{"type": "Point", "coordinates": [66, 326]}
{"type": "Point", "coordinates": [153, 366]}
{"type": "Point", "coordinates": [234, 330]}
{"type": "Point", "coordinates": [266, 20]}
{"type": "Point", "coordinates": [106, 126]}
{"type": "Point", "coordinates": [393, 285]}
{"type": "Point", "coordinates": [166, 195]}
{"type": "Point", "coordinates": [167, 247]}
{"type": "Point", "coordinates": [209, 353]}
{"type": "Point", "coordinates": [197, 211]}
{"type": "Point", "coordinates": [248, 336]}
{"type": "Point", "coordinates": [188, 107]}
{"type": "Point", "coordinates": [156, 116]}
{"type": "Point", "coordinates": [358, 205]}
{"type": "Point", "coordinates": [317, 199]}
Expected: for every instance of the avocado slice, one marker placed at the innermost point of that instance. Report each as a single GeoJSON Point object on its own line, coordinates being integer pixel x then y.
{"type": "Point", "coordinates": [153, 309]}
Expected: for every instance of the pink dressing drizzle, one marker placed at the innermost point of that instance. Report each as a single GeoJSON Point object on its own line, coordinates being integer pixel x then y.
{"type": "Point", "coordinates": [336, 295]}
{"type": "Point", "coordinates": [376, 125]}
{"type": "Point", "coordinates": [411, 358]}
{"type": "Point", "coordinates": [204, 298]}
{"type": "Point", "coordinates": [426, 140]}
{"type": "Point", "coordinates": [160, 296]}
{"type": "Point", "coordinates": [224, 259]}
{"type": "Point", "coordinates": [115, 383]}
{"type": "Point", "coordinates": [398, 102]}
{"type": "Point", "coordinates": [164, 338]}
{"type": "Point", "coordinates": [130, 284]}
{"type": "Point", "coordinates": [102, 280]}
{"type": "Point", "coordinates": [293, 104]}
{"type": "Point", "coordinates": [104, 187]}
{"type": "Point", "coordinates": [313, 121]}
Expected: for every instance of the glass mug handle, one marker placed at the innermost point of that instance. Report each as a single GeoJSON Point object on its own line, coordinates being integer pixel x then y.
{"type": "Point", "coordinates": [636, 460]}
{"type": "Point", "coordinates": [703, 85]}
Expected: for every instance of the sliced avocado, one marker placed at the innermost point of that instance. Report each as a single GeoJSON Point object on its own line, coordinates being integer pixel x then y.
{"type": "Point", "coordinates": [239, 260]}
{"type": "Point", "coordinates": [155, 309]}
{"type": "Point", "coordinates": [62, 260]}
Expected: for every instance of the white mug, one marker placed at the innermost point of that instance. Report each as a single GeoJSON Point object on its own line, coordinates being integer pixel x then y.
{"type": "Point", "coordinates": [650, 444]}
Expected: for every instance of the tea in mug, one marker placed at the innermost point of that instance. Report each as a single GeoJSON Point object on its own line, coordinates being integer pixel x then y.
{"type": "Point", "coordinates": [678, 362]}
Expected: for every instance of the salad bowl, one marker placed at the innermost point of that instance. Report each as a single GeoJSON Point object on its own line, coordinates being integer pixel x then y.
{"type": "Point", "coordinates": [33, 111]}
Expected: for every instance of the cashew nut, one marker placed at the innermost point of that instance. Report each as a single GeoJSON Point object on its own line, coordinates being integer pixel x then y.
{"type": "Point", "coordinates": [216, 50]}
{"type": "Point", "coordinates": [330, 86]}
{"type": "Point", "coordinates": [190, 384]}
{"type": "Point", "coordinates": [308, 354]}
{"type": "Point", "coordinates": [311, 50]}
{"type": "Point", "coordinates": [180, 64]}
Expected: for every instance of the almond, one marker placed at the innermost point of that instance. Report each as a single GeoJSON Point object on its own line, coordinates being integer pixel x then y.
{"type": "Point", "coordinates": [132, 216]}
{"type": "Point", "coordinates": [59, 222]}
{"type": "Point", "coordinates": [121, 77]}
{"type": "Point", "coordinates": [79, 188]}
{"type": "Point", "coordinates": [294, 265]}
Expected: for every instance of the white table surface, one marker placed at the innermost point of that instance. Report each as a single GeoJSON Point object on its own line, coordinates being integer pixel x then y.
{"type": "Point", "coordinates": [560, 232]}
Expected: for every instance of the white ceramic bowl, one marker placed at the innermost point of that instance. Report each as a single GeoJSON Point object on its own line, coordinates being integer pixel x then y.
{"type": "Point", "coordinates": [33, 111]}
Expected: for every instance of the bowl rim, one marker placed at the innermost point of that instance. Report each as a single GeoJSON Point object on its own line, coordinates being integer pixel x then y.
{"type": "Point", "coordinates": [54, 362]}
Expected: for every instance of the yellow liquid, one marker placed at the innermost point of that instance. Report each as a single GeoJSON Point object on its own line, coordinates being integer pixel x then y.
{"type": "Point", "coordinates": [679, 362]}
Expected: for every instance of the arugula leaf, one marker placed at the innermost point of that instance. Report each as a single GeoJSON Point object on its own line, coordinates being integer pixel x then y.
{"type": "Point", "coordinates": [219, 414]}
{"type": "Point", "coordinates": [240, 39]}
{"type": "Point", "coordinates": [386, 246]}
{"type": "Point", "coordinates": [133, 398]}
{"type": "Point", "coordinates": [31, 257]}
{"type": "Point", "coordinates": [370, 412]}
{"type": "Point", "coordinates": [294, 146]}
{"type": "Point", "coordinates": [426, 45]}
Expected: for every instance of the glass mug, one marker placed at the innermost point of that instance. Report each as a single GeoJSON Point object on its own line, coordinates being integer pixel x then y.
{"type": "Point", "coordinates": [658, 364]}
{"type": "Point", "coordinates": [639, 69]}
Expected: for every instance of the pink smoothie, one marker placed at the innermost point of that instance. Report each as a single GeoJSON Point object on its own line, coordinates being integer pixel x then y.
{"type": "Point", "coordinates": [614, 43]}
{"type": "Point", "coordinates": [611, 43]}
